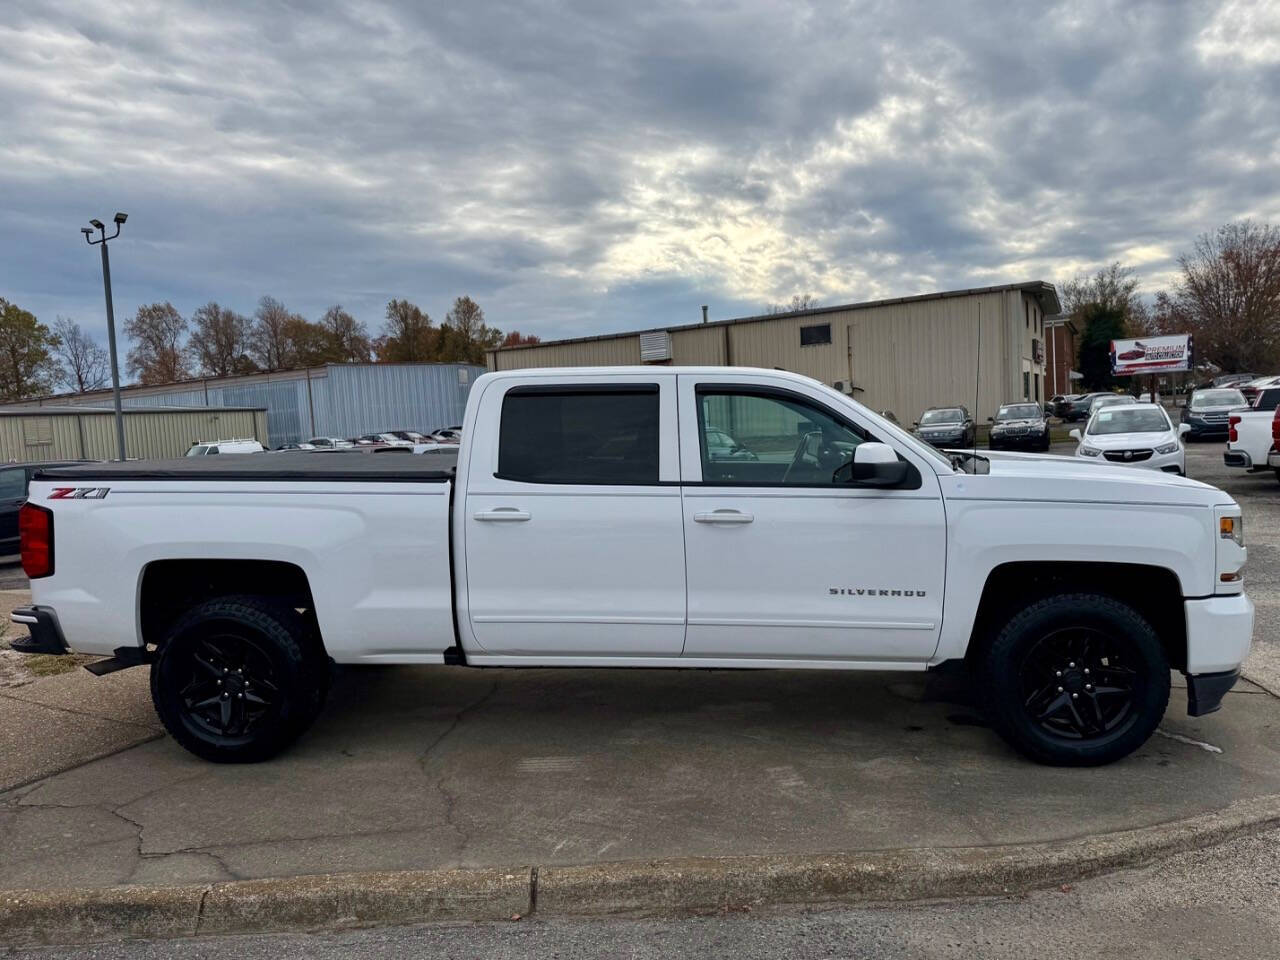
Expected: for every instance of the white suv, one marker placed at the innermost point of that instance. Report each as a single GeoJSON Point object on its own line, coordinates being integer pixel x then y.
{"type": "Point", "coordinates": [206, 447]}
{"type": "Point", "coordinates": [1134, 434]}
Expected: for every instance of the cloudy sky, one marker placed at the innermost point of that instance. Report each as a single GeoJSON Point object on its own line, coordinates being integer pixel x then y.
{"type": "Point", "coordinates": [580, 167]}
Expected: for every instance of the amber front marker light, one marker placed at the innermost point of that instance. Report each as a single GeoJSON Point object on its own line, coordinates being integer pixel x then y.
{"type": "Point", "coordinates": [1231, 528]}
{"type": "Point", "coordinates": [1232, 577]}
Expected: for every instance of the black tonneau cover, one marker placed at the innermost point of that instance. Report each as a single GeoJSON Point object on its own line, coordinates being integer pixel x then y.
{"type": "Point", "coordinates": [403, 467]}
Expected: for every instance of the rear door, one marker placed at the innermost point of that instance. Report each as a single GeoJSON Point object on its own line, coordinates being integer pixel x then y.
{"type": "Point", "coordinates": [574, 540]}
{"type": "Point", "coordinates": [784, 559]}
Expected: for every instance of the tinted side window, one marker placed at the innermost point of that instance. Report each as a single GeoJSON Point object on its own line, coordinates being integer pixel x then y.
{"type": "Point", "coordinates": [579, 436]}
{"type": "Point", "coordinates": [1268, 399]}
{"type": "Point", "coordinates": [759, 438]}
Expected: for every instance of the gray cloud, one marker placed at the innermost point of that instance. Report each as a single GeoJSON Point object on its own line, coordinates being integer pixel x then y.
{"type": "Point", "coordinates": [586, 166]}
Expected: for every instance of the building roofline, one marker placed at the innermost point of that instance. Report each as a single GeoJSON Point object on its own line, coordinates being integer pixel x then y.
{"type": "Point", "coordinates": [70, 410]}
{"type": "Point", "coordinates": [298, 373]}
{"type": "Point", "coordinates": [1038, 288]}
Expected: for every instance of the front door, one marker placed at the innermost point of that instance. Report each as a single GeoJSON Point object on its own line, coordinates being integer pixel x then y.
{"type": "Point", "coordinates": [13, 494]}
{"type": "Point", "coordinates": [785, 559]}
{"type": "Point", "coordinates": [574, 539]}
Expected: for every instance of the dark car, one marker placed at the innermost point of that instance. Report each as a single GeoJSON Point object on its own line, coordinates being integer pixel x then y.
{"type": "Point", "coordinates": [1206, 411]}
{"type": "Point", "coordinates": [947, 427]}
{"type": "Point", "coordinates": [14, 480]}
{"type": "Point", "coordinates": [1077, 408]}
{"type": "Point", "coordinates": [1019, 426]}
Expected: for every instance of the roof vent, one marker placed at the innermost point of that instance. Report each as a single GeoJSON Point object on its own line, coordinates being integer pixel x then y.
{"type": "Point", "coordinates": [655, 346]}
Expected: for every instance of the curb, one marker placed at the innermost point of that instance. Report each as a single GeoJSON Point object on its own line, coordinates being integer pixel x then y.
{"type": "Point", "coordinates": [630, 888]}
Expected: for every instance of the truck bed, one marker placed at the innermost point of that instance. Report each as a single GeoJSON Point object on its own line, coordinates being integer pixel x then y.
{"type": "Point", "coordinates": [352, 466]}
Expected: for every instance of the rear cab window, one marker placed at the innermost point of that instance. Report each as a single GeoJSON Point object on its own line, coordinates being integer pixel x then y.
{"type": "Point", "coordinates": [574, 431]}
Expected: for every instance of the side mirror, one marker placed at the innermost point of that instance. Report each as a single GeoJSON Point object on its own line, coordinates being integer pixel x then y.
{"type": "Point", "coordinates": [1075, 435]}
{"type": "Point", "coordinates": [1183, 429]}
{"type": "Point", "coordinates": [991, 419]}
{"type": "Point", "coordinates": [877, 465]}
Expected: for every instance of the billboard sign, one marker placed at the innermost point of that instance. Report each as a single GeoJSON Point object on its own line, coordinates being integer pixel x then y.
{"type": "Point", "coordinates": [1151, 355]}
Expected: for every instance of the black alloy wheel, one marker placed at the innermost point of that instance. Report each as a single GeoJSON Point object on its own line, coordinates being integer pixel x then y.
{"type": "Point", "coordinates": [1075, 680]}
{"type": "Point", "coordinates": [237, 679]}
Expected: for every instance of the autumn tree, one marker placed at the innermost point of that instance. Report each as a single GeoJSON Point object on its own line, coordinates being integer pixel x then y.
{"type": "Point", "coordinates": [1228, 297]}
{"type": "Point", "coordinates": [517, 339]}
{"type": "Point", "coordinates": [220, 341]}
{"type": "Point", "coordinates": [798, 302]}
{"type": "Point", "coordinates": [269, 342]}
{"type": "Point", "coordinates": [158, 354]}
{"type": "Point", "coordinates": [28, 367]}
{"type": "Point", "coordinates": [86, 365]}
{"type": "Point", "coordinates": [470, 337]}
{"type": "Point", "coordinates": [348, 338]}
{"type": "Point", "coordinates": [306, 343]}
{"type": "Point", "coordinates": [408, 335]}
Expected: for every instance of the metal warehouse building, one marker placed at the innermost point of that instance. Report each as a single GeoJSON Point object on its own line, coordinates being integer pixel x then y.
{"type": "Point", "coordinates": [337, 399]}
{"type": "Point", "coordinates": [902, 355]}
{"type": "Point", "coordinates": [65, 432]}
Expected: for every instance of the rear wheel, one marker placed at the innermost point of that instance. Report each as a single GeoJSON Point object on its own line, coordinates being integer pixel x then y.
{"type": "Point", "coordinates": [238, 679]}
{"type": "Point", "coordinates": [1076, 680]}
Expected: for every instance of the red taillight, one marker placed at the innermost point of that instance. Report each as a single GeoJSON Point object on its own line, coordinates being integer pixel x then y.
{"type": "Point", "coordinates": [1232, 436]}
{"type": "Point", "coordinates": [1275, 428]}
{"type": "Point", "coordinates": [35, 532]}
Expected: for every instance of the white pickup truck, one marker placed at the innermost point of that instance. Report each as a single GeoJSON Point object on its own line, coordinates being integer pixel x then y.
{"type": "Point", "coordinates": [1253, 434]}
{"type": "Point", "coordinates": [590, 523]}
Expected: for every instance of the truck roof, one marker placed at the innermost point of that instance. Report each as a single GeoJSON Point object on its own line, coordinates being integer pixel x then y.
{"type": "Point", "coordinates": [428, 467]}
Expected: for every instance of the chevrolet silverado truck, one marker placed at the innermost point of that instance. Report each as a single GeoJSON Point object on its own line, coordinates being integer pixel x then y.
{"type": "Point", "coordinates": [588, 522]}
{"type": "Point", "coordinates": [1253, 437]}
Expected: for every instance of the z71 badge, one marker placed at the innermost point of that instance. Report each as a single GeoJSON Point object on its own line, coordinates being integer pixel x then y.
{"type": "Point", "coordinates": [79, 493]}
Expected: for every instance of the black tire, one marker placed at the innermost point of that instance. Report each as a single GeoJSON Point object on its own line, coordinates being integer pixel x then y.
{"type": "Point", "coordinates": [1070, 651]}
{"type": "Point", "coordinates": [1046, 444]}
{"type": "Point", "coordinates": [238, 679]}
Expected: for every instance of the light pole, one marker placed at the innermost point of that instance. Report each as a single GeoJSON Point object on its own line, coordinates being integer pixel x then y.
{"type": "Point", "coordinates": [120, 218]}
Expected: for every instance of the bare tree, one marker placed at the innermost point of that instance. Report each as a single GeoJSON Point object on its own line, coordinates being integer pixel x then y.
{"type": "Point", "coordinates": [799, 301]}
{"type": "Point", "coordinates": [348, 338]}
{"type": "Point", "coordinates": [220, 341]}
{"type": "Point", "coordinates": [467, 336]}
{"type": "Point", "coordinates": [1228, 297]}
{"type": "Point", "coordinates": [85, 362]}
{"type": "Point", "coordinates": [158, 354]}
{"type": "Point", "coordinates": [1112, 289]}
{"type": "Point", "coordinates": [270, 340]}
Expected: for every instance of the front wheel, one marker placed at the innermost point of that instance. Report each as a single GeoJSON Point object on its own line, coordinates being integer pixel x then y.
{"type": "Point", "coordinates": [1076, 680]}
{"type": "Point", "coordinates": [238, 679]}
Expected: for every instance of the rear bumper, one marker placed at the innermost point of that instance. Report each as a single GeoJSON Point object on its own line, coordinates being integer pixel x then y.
{"type": "Point", "coordinates": [46, 633]}
{"type": "Point", "coordinates": [1273, 459]}
{"type": "Point", "coordinates": [1237, 458]}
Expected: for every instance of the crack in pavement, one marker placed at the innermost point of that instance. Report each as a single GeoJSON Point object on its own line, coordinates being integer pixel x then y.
{"type": "Point", "coordinates": [451, 800]}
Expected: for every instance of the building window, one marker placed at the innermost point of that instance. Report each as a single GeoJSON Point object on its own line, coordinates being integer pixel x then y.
{"type": "Point", "coordinates": [1026, 312]}
{"type": "Point", "coordinates": [816, 335]}
{"type": "Point", "coordinates": [37, 431]}
{"type": "Point", "coordinates": [589, 436]}
{"type": "Point", "coordinates": [1037, 387]}
{"type": "Point", "coordinates": [1026, 384]}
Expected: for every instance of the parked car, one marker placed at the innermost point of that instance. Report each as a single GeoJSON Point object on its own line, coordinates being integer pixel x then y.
{"type": "Point", "coordinates": [447, 434]}
{"type": "Point", "coordinates": [1057, 405]}
{"type": "Point", "coordinates": [1101, 400]}
{"type": "Point", "coordinates": [1254, 387]}
{"type": "Point", "coordinates": [329, 443]}
{"type": "Point", "coordinates": [1232, 380]}
{"type": "Point", "coordinates": [413, 436]}
{"type": "Point", "coordinates": [286, 447]}
{"type": "Point", "coordinates": [1252, 435]}
{"type": "Point", "coordinates": [384, 439]}
{"type": "Point", "coordinates": [947, 427]}
{"type": "Point", "coordinates": [1205, 412]}
{"type": "Point", "coordinates": [1135, 434]}
{"type": "Point", "coordinates": [1019, 426]}
{"type": "Point", "coordinates": [863, 549]}
{"type": "Point", "coordinates": [14, 480]}
{"type": "Point", "coordinates": [721, 446]}
{"type": "Point", "coordinates": [1077, 407]}
{"type": "Point", "coordinates": [204, 448]}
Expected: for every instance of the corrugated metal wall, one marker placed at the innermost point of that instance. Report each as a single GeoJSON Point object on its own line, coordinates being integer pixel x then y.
{"type": "Point", "coordinates": [902, 357]}
{"type": "Point", "coordinates": [147, 436]}
{"type": "Point", "coordinates": [342, 400]}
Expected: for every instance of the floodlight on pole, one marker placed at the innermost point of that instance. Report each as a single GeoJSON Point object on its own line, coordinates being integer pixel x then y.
{"type": "Point", "coordinates": [111, 316]}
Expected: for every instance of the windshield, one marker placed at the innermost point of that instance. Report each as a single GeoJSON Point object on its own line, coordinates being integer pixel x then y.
{"type": "Point", "coordinates": [950, 415]}
{"type": "Point", "coordinates": [1217, 398]}
{"type": "Point", "coordinates": [1018, 411]}
{"type": "Point", "coordinates": [1129, 420]}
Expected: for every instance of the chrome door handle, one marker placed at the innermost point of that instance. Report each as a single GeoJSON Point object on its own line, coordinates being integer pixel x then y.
{"type": "Point", "coordinates": [507, 514]}
{"type": "Point", "coordinates": [723, 516]}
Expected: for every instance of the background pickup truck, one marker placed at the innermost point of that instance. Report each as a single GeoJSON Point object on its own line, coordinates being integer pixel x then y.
{"type": "Point", "coordinates": [1253, 434]}
{"type": "Point", "coordinates": [590, 522]}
